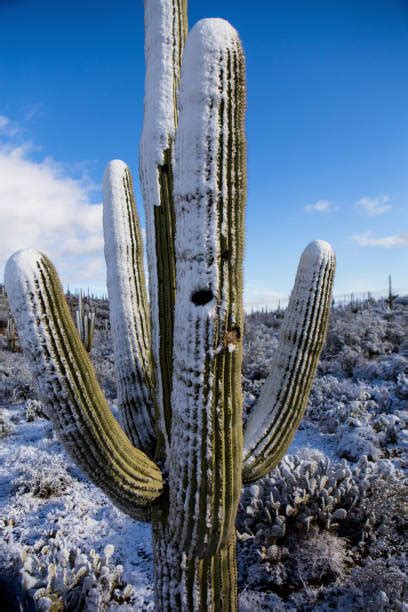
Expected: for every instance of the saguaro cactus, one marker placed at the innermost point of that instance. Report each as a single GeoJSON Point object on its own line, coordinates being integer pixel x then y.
{"type": "Point", "coordinates": [85, 322]}
{"type": "Point", "coordinates": [181, 462]}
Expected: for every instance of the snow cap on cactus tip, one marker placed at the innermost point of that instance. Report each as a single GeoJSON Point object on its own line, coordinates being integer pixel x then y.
{"type": "Point", "coordinates": [211, 34]}
{"type": "Point", "coordinates": [115, 167]}
{"type": "Point", "coordinates": [20, 270]}
{"type": "Point", "coordinates": [316, 251]}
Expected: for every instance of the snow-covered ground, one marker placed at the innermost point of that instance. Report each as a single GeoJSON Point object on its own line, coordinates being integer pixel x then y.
{"type": "Point", "coordinates": [42, 493]}
{"type": "Point", "coordinates": [300, 553]}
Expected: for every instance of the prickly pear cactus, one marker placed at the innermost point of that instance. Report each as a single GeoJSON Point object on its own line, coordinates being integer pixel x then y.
{"type": "Point", "coordinates": [180, 461]}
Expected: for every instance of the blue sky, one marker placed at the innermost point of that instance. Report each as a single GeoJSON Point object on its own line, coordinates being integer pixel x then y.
{"type": "Point", "coordinates": [327, 128]}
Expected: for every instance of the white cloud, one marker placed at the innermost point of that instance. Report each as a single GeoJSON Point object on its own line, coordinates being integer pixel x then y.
{"type": "Point", "coordinates": [42, 207]}
{"type": "Point", "coordinates": [321, 206]}
{"type": "Point", "coordinates": [368, 240]}
{"type": "Point", "coordinates": [374, 206]}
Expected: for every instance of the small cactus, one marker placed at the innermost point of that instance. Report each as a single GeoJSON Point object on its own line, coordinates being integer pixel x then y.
{"type": "Point", "coordinates": [179, 462]}
{"type": "Point", "coordinates": [302, 493]}
{"type": "Point", "coordinates": [68, 579]}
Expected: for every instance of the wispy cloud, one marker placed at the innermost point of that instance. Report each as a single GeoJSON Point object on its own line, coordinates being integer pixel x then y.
{"type": "Point", "coordinates": [374, 206]}
{"type": "Point", "coordinates": [321, 206]}
{"type": "Point", "coordinates": [8, 129]}
{"type": "Point", "coordinates": [368, 240]}
{"type": "Point", "coordinates": [42, 207]}
{"type": "Point", "coordinates": [32, 110]}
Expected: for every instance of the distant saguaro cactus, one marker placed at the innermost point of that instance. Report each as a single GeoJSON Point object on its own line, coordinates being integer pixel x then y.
{"type": "Point", "coordinates": [85, 322]}
{"type": "Point", "coordinates": [181, 462]}
{"type": "Point", "coordinates": [392, 297]}
{"type": "Point", "coordinates": [11, 334]}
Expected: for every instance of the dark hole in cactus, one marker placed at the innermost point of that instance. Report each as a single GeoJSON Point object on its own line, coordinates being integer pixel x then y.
{"type": "Point", "coordinates": [202, 297]}
{"type": "Point", "coordinates": [164, 168]}
{"type": "Point", "coordinates": [225, 254]}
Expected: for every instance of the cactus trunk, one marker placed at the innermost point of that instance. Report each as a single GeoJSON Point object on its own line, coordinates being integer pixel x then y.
{"type": "Point", "coordinates": [179, 459]}
{"type": "Point", "coordinates": [195, 585]}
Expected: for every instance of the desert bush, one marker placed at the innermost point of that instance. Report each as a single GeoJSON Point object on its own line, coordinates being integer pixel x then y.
{"type": "Point", "coordinates": [6, 426]}
{"type": "Point", "coordinates": [377, 586]}
{"type": "Point", "coordinates": [46, 477]}
{"type": "Point", "coordinates": [367, 419]}
{"type": "Point", "coordinates": [102, 358]}
{"type": "Point", "coordinates": [311, 522]}
{"type": "Point", "coordinates": [16, 382]}
{"type": "Point", "coordinates": [34, 409]}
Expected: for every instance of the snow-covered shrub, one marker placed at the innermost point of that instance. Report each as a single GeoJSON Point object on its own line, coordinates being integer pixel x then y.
{"type": "Point", "coordinates": [383, 513]}
{"type": "Point", "coordinates": [379, 585]}
{"type": "Point", "coordinates": [367, 419]}
{"type": "Point", "coordinates": [6, 427]}
{"type": "Point", "coordinates": [300, 563]}
{"type": "Point", "coordinates": [45, 477]}
{"type": "Point", "coordinates": [102, 358]}
{"type": "Point", "coordinates": [320, 559]}
{"type": "Point", "coordinates": [386, 367]}
{"type": "Point", "coordinates": [356, 438]}
{"type": "Point", "coordinates": [249, 601]}
{"type": "Point", "coordinates": [368, 333]}
{"type": "Point", "coordinates": [260, 343]}
{"type": "Point", "coordinates": [16, 382]}
{"type": "Point", "coordinates": [60, 578]}
{"type": "Point", "coordinates": [332, 401]}
{"type": "Point", "coordinates": [307, 525]}
{"type": "Point", "coordinates": [402, 386]}
{"type": "Point", "coordinates": [34, 409]}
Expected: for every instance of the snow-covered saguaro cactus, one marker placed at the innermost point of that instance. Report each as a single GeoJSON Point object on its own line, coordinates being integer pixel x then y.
{"type": "Point", "coordinates": [180, 461]}
{"type": "Point", "coordinates": [85, 322]}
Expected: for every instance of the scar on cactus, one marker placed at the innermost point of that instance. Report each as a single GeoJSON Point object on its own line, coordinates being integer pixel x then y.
{"type": "Point", "coordinates": [183, 455]}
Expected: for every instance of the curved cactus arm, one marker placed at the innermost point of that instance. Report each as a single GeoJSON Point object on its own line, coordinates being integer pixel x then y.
{"type": "Point", "coordinates": [129, 308]}
{"type": "Point", "coordinates": [280, 407]}
{"type": "Point", "coordinates": [209, 194]}
{"type": "Point", "coordinates": [165, 33]}
{"type": "Point", "coordinates": [68, 387]}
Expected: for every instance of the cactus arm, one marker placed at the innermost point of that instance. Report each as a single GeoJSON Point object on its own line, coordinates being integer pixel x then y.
{"type": "Point", "coordinates": [165, 33]}
{"type": "Point", "coordinates": [209, 195]}
{"type": "Point", "coordinates": [68, 386]}
{"type": "Point", "coordinates": [280, 407]}
{"type": "Point", "coordinates": [129, 309]}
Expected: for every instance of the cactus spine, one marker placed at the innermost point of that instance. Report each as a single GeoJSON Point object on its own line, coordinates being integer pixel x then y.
{"type": "Point", "coordinates": [178, 358]}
